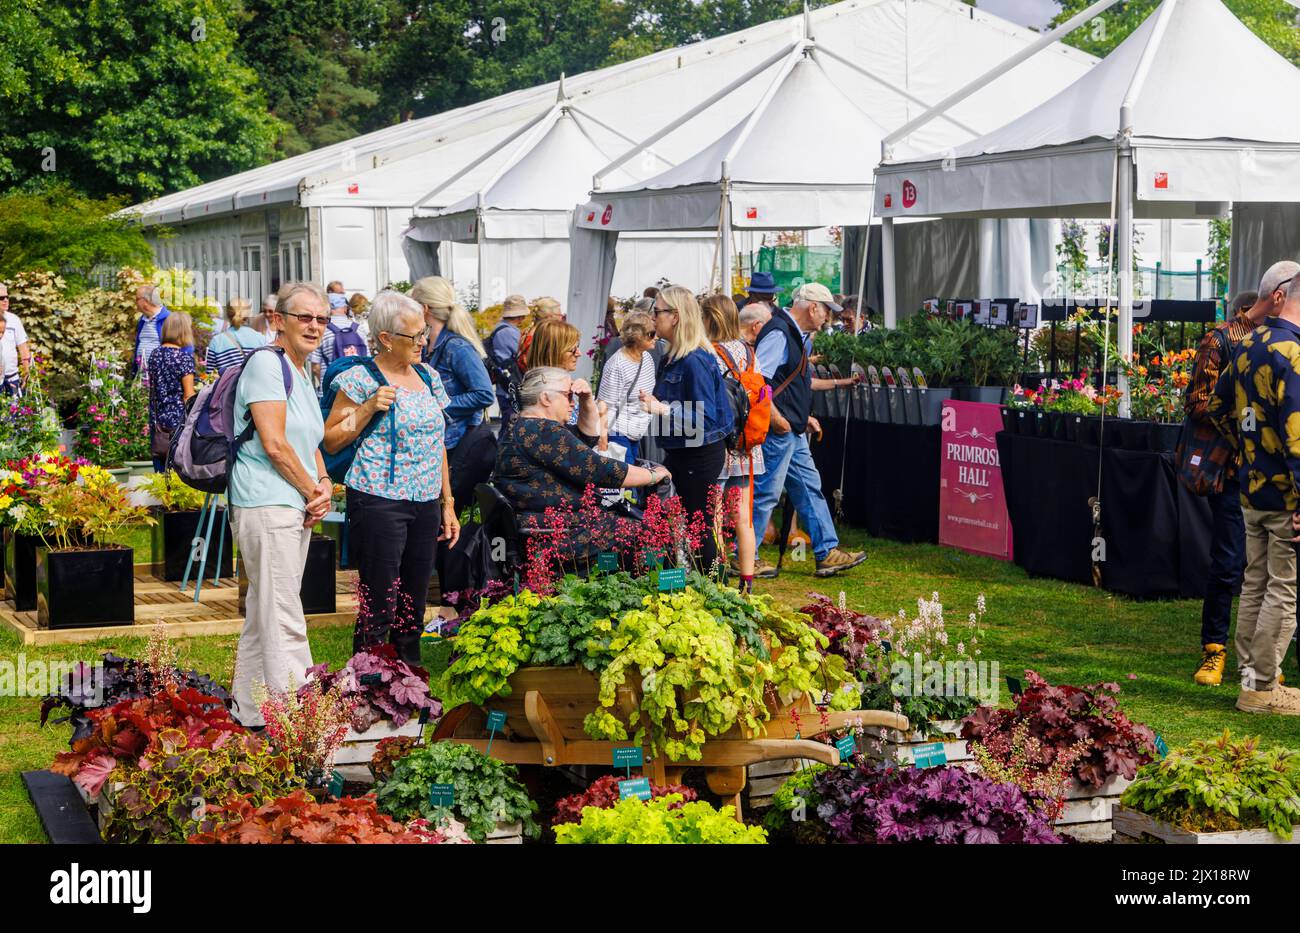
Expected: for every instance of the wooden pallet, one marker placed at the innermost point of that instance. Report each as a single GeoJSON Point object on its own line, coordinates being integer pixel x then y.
{"type": "Point", "coordinates": [216, 612]}
{"type": "Point", "coordinates": [1088, 811]}
{"type": "Point", "coordinates": [353, 757]}
{"type": "Point", "coordinates": [879, 744]}
{"type": "Point", "coordinates": [1132, 826]}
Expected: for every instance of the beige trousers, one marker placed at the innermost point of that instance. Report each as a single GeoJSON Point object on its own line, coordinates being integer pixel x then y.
{"type": "Point", "coordinates": [1266, 612]}
{"type": "Point", "coordinates": [273, 649]}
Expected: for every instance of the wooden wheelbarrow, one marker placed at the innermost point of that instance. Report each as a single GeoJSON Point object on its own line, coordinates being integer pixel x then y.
{"type": "Point", "coordinates": [547, 705]}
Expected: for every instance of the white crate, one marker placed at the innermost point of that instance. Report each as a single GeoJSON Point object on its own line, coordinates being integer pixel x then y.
{"type": "Point", "coordinates": [1132, 826]}
{"type": "Point", "coordinates": [353, 757]}
{"type": "Point", "coordinates": [506, 834]}
{"type": "Point", "coordinates": [764, 778]}
{"type": "Point", "coordinates": [880, 744]}
{"type": "Point", "coordinates": [1087, 812]}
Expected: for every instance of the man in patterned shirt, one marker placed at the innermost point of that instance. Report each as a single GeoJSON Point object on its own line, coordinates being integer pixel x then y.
{"type": "Point", "coordinates": [1256, 404]}
{"type": "Point", "coordinates": [1228, 537]}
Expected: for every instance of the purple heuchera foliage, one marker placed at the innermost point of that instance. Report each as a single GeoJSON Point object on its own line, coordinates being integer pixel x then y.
{"type": "Point", "coordinates": [935, 805]}
{"type": "Point", "coordinates": [392, 689]}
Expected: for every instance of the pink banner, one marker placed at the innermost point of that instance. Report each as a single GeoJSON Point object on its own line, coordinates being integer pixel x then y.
{"type": "Point", "coordinates": [972, 502]}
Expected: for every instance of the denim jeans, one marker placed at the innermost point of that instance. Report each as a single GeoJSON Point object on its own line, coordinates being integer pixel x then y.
{"type": "Point", "coordinates": [1227, 560]}
{"type": "Point", "coordinates": [790, 466]}
{"type": "Point", "coordinates": [630, 445]}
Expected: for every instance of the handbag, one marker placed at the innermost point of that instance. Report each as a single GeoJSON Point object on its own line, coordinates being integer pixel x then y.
{"type": "Point", "coordinates": [1203, 455]}
{"type": "Point", "coordinates": [160, 438]}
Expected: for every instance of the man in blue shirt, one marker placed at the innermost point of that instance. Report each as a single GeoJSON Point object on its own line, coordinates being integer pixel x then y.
{"type": "Point", "coordinates": [503, 351]}
{"type": "Point", "coordinates": [148, 330]}
{"type": "Point", "coordinates": [782, 355]}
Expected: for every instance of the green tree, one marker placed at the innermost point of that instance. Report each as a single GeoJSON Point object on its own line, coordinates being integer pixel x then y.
{"type": "Point", "coordinates": [61, 231]}
{"type": "Point", "coordinates": [123, 97]}
{"type": "Point", "coordinates": [1274, 21]}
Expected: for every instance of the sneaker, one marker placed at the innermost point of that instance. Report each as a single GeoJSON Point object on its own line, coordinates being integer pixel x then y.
{"type": "Point", "coordinates": [838, 560]}
{"type": "Point", "coordinates": [1210, 672]}
{"type": "Point", "coordinates": [1281, 701]}
{"type": "Point", "coordinates": [764, 571]}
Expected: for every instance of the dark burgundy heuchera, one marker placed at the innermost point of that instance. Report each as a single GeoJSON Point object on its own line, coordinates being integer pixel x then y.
{"type": "Point", "coordinates": [849, 632]}
{"type": "Point", "coordinates": [109, 682]}
{"type": "Point", "coordinates": [603, 793]}
{"type": "Point", "coordinates": [383, 685]}
{"type": "Point", "coordinates": [867, 804]}
{"type": "Point", "coordinates": [1061, 716]}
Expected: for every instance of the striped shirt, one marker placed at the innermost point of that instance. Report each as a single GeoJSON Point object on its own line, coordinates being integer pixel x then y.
{"type": "Point", "coordinates": [621, 387]}
{"type": "Point", "coordinates": [148, 343]}
{"type": "Point", "coordinates": [231, 346]}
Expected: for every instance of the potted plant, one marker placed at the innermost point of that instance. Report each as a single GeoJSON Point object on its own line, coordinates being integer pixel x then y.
{"type": "Point", "coordinates": [23, 520]}
{"type": "Point", "coordinates": [301, 819]}
{"type": "Point", "coordinates": [28, 425]}
{"type": "Point", "coordinates": [113, 416]}
{"type": "Point", "coordinates": [177, 534]}
{"type": "Point", "coordinates": [1157, 396]}
{"type": "Point", "coordinates": [83, 578]}
{"type": "Point", "coordinates": [603, 794]}
{"type": "Point", "coordinates": [307, 726]}
{"type": "Point", "coordinates": [659, 821]}
{"type": "Point", "coordinates": [1021, 409]}
{"type": "Point", "coordinates": [990, 363]}
{"type": "Point", "coordinates": [1223, 790]}
{"type": "Point", "coordinates": [1070, 403]}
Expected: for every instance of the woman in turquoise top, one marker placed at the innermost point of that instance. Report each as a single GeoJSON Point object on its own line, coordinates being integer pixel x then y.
{"type": "Point", "coordinates": [279, 489]}
{"type": "Point", "coordinates": [399, 488]}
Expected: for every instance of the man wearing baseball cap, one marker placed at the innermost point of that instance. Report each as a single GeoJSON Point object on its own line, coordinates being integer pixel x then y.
{"type": "Point", "coordinates": [503, 352]}
{"type": "Point", "coordinates": [782, 354]}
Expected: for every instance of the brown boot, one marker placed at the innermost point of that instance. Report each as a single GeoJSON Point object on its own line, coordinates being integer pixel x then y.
{"type": "Point", "coordinates": [837, 561]}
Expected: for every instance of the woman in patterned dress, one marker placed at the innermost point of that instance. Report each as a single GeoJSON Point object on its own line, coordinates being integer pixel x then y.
{"type": "Point", "coordinates": [171, 380]}
{"type": "Point", "coordinates": [398, 488]}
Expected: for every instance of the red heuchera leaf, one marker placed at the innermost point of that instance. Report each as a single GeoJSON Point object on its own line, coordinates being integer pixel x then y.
{"type": "Point", "coordinates": [300, 819]}
{"type": "Point", "coordinates": [94, 771]}
{"type": "Point", "coordinates": [1061, 716]}
{"type": "Point", "coordinates": [603, 794]}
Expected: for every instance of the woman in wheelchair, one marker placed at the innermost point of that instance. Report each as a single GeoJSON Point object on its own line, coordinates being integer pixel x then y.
{"type": "Point", "coordinates": [544, 463]}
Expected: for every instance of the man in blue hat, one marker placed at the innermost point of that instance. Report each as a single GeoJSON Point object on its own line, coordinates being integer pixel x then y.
{"type": "Point", "coordinates": [762, 287]}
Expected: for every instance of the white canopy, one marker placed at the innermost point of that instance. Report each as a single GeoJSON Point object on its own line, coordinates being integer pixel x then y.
{"type": "Point", "coordinates": [1179, 119]}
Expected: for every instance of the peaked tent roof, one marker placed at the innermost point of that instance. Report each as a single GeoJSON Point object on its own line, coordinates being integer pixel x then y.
{"type": "Point", "coordinates": [1205, 129]}
{"type": "Point", "coordinates": [916, 49]}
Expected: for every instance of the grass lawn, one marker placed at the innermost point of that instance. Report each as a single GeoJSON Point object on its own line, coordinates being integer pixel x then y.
{"type": "Point", "coordinates": [1068, 633]}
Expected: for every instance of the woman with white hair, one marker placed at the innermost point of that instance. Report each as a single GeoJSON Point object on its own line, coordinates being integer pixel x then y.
{"type": "Point", "coordinates": [399, 499]}
{"type": "Point", "coordinates": [456, 352]}
{"type": "Point", "coordinates": [543, 463]}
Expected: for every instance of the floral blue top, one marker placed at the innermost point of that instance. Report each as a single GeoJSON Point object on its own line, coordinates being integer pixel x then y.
{"type": "Point", "coordinates": [167, 366]}
{"type": "Point", "coordinates": [421, 429]}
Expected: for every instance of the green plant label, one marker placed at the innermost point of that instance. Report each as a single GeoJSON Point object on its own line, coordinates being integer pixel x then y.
{"type": "Point", "coordinates": [629, 757]}
{"type": "Point", "coordinates": [336, 784]}
{"type": "Point", "coordinates": [496, 719]}
{"type": "Point", "coordinates": [607, 561]}
{"type": "Point", "coordinates": [672, 579]}
{"type": "Point", "coordinates": [424, 715]}
{"type": "Point", "coordinates": [370, 680]}
{"type": "Point", "coordinates": [1161, 747]}
{"type": "Point", "coordinates": [442, 795]}
{"type": "Point", "coordinates": [637, 787]}
{"type": "Point", "coordinates": [652, 559]}
{"type": "Point", "coordinates": [1014, 686]}
{"type": "Point", "coordinates": [847, 746]}
{"type": "Point", "coordinates": [929, 755]}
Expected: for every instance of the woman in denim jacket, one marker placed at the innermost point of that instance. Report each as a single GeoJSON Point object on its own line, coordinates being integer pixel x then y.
{"type": "Point", "coordinates": [693, 409]}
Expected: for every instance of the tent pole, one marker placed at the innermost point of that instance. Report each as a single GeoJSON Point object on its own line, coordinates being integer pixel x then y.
{"type": "Point", "coordinates": [478, 240]}
{"type": "Point", "coordinates": [724, 248]}
{"type": "Point", "coordinates": [886, 270]}
{"type": "Point", "coordinates": [1124, 231]}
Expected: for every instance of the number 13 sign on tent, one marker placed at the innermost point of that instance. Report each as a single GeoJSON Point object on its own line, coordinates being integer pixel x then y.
{"type": "Point", "coordinates": [972, 501]}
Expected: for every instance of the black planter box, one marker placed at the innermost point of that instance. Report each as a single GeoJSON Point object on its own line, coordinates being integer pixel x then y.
{"type": "Point", "coordinates": [78, 589]}
{"type": "Point", "coordinates": [1093, 431]}
{"type": "Point", "coordinates": [1134, 435]}
{"type": "Point", "coordinates": [20, 570]}
{"type": "Point", "coordinates": [173, 539]}
{"type": "Point", "coordinates": [1074, 426]}
{"type": "Point", "coordinates": [1164, 437]}
{"type": "Point", "coordinates": [317, 592]}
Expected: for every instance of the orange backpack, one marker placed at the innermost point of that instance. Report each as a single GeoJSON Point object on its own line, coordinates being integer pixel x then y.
{"type": "Point", "coordinates": [749, 384]}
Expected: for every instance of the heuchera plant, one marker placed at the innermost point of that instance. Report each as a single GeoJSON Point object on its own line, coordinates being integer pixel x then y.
{"type": "Point", "coordinates": [112, 680]}
{"type": "Point", "coordinates": [663, 821]}
{"type": "Point", "coordinates": [603, 793]}
{"type": "Point", "coordinates": [298, 819]}
{"type": "Point", "coordinates": [1221, 785]}
{"type": "Point", "coordinates": [849, 632]}
{"type": "Point", "coordinates": [1061, 717]}
{"type": "Point", "coordinates": [381, 685]}
{"type": "Point", "coordinates": [389, 752]}
{"type": "Point", "coordinates": [935, 805]}
{"type": "Point", "coordinates": [125, 732]}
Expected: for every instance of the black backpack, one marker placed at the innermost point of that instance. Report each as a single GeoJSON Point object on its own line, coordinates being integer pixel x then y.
{"type": "Point", "coordinates": [503, 373]}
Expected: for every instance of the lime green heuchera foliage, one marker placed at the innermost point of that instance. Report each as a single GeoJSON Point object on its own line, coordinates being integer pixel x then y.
{"type": "Point", "coordinates": [486, 791]}
{"type": "Point", "coordinates": [1221, 785]}
{"type": "Point", "coordinates": [655, 823]}
{"type": "Point", "coordinates": [490, 646]}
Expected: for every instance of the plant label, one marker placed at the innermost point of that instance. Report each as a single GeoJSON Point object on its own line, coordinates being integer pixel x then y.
{"type": "Point", "coordinates": [629, 758]}
{"type": "Point", "coordinates": [370, 680]}
{"type": "Point", "coordinates": [847, 746]}
{"type": "Point", "coordinates": [607, 561]}
{"type": "Point", "coordinates": [672, 580]}
{"type": "Point", "coordinates": [1161, 747]}
{"type": "Point", "coordinates": [496, 719]}
{"type": "Point", "coordinates": [636, 787]}
{"type": "Point", "coordinates": [336, 784]}
{"type": "Point", "coordinates": [442, 795]}
{"type": "Point", "coordinates": [929, 755]}
{"type": "Point", "coordinates": [652, 559]}
{"type": "Point", "coordinates": [1014, 687]}
{"type": "Point", "coordinates": [424, 715]}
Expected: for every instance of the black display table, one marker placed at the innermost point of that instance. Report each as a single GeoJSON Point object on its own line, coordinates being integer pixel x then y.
{"type": "Point", "coordinates": [1157, 534]}
{"type": "Point", "coordinates": [893, 476]}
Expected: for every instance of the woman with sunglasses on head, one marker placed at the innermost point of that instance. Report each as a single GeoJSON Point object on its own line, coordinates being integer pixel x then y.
{"type": "Point", "coordinates": [542, 463]}
{"type": "Point", "coordinates": [399, 488]}
{"type": "Point", "coordinates": [693, 407]}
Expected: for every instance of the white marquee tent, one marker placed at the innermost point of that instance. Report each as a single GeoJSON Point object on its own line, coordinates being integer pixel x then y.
{"type": "Point", "coordinates": [519, 218]}
{"type": "Point", "coordinates": [1180, 119]}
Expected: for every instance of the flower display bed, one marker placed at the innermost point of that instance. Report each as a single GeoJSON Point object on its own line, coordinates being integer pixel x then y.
{"type": "Point", "coordinates": [1132, 826]}
{"type": "Point", "coordinates": [1087, 814]}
